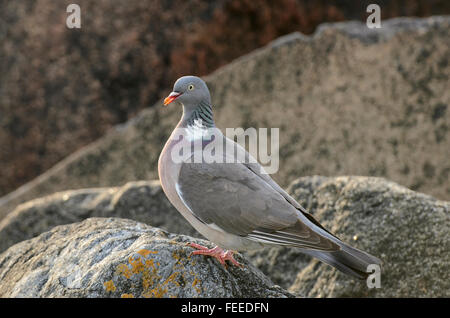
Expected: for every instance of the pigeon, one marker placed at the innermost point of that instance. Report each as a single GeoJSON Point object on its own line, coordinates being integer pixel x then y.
{"type": "Point", "coordinates": [231, 200]}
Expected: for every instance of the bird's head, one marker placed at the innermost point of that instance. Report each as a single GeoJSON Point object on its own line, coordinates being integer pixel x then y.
{"type": "Point", "coordinates": [190, 91]}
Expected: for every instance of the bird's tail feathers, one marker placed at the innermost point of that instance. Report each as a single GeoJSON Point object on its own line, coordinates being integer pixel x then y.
{"type": "Point", "coordinates": [348, 260]}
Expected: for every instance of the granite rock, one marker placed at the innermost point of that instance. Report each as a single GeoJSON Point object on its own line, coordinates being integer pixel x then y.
{"type": "Point", "coordinates": [347, 101]}
{"type": "Point", "coordinates": [408, 231]}
{"type": "Point", "coordinates": [111, 257]}
{"type": "Point", "coordinates": [140, 201]}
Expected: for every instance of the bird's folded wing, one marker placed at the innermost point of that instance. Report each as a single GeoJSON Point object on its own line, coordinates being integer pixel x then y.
{"type": "Point", "coordinates": [232, 197]}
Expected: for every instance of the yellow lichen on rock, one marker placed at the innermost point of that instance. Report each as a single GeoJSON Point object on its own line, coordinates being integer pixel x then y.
{"type": "Point", "coordinates": [109, 285]}
{"type": "Point", "coordinates": [150, 263]}
{"type": "Point", "coordinates": [124, 270]}
{"type": "Point", "coordinates": [127, 296]}
{"type": "Point", "coordinates": [141, 263]}
{"type": "Point", "coordinates": [171, 278]}
{"type": "Point", "coordinates": [157, 292]}
{"type": "Point", "coordinates": [195, 283]}
{"type": "Point", "coordinates": [176, 256]}
{"type": "Point", "coordinates": [145, 252]}
{"type": "Point", "coordinates": [136, 265]}
{"type": "Point", "coordinates": [149, 276]}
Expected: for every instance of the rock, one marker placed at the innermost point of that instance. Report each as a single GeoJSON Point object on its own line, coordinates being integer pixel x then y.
{"type": "Point", "coordinates": [409, 231]}
{"type": "Point", "coordinates": [140, 201]}
{"type": "Point", "coordinates": [340, 98]}
{"type": "Point", "coordinates": [386, 219]}
{"type": "Point", "coordinates": [63, 88]}
{"type": "Point", "coordinates": [280, 264]}
{"type": "Point", "coordinates": [111, 257]}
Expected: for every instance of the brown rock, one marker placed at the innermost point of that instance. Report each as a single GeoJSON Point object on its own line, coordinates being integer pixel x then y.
{"type": "Point", "coordinates": [61, 89]}
{"type": "Point", "coordinates": [348, 101]}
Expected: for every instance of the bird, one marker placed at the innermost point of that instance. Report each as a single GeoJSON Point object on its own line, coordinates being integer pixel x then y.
{"type": "Point", "coordinates": [234, 203]}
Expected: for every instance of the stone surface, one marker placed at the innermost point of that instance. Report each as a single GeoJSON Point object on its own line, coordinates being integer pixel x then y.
{"type": "Point", "coordinates": [408, 231]}
{"type": "Point", "coordinates": [140, 201]}
{"type": "Point", "coordinates": [280, 264]}
{"type": "Point", "coordinates": [110, 257]}
{"type": "Point", "coordinates": [62, 88]}
{"type": "Point", "coordinates": [347, 102]}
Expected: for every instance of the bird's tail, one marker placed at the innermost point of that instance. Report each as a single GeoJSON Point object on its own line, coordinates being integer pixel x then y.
{"type": "Point", "coordinates": [348, 260]}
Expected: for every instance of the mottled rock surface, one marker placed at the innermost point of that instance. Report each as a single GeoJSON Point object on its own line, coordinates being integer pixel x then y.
{"type": "Point", "coordinates": [62, 88]}
{"type": "Point", "coordinates": [347, 102]}
{"type": "Point", "coordinates": [408, 231]}
{"type": "Point", "coordinates": [110, 257]}
{"type": "Point", "coordinates": [140, 201]}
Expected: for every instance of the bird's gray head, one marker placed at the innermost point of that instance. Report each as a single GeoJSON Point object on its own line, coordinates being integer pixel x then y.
{"type": "Point", "coordinates": [190, 91]}
{"type": "Point", "coordinates": [193, 94]}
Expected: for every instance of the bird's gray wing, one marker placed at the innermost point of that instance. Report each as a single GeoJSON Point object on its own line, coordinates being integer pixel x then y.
{"type": "Point", "coordinates": [258, 170]}
{"type": "Point", "coordinates": [238, 201]}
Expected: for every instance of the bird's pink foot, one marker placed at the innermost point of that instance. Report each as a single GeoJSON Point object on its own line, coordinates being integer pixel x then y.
{"type": "Point", "coordinates": [216, 252]}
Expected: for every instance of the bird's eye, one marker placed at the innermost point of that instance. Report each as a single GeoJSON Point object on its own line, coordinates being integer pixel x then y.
{"type": "Point", "coordinates": [191, 87]}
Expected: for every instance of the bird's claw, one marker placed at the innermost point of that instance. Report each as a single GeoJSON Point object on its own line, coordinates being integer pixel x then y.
{"type": "Point", "coordinates": [216, 252]}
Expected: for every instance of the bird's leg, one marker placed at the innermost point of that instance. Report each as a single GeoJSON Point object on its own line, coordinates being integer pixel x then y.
{"type": "Point", "coordinates": [216, 252]}
{"type": "Point", "coordinates": [197, 246]}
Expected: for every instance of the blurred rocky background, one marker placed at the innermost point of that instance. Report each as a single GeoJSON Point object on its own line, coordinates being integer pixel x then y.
{"type": "Point", "coordinates": [61, 89]}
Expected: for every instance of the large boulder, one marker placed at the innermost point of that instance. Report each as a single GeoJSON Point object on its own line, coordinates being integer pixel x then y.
{"type": "Point", "coordinates": [142, 201]}
{"type": "Point", "coordinates": [62, 88]}
{"type": "Point", "coordinates": [408, 231]}
{"type": "Point", "coordinates": [110, 257]}
{"type": "Point", "coordinates": [341, 98]}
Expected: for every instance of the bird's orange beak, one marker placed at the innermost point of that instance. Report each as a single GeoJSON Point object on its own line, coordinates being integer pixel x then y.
{"type": "Point", "coordinates": [172, 96]}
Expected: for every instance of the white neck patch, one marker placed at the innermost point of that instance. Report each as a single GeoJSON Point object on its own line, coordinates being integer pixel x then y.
{"type": "Point", "coordinates": [197, 130]}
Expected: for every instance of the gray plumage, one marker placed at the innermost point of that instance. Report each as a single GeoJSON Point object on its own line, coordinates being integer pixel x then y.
{"type": "Point", "coordinates": [234, 204]}
{"type": "Point", "coordinates": [204, 113]}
